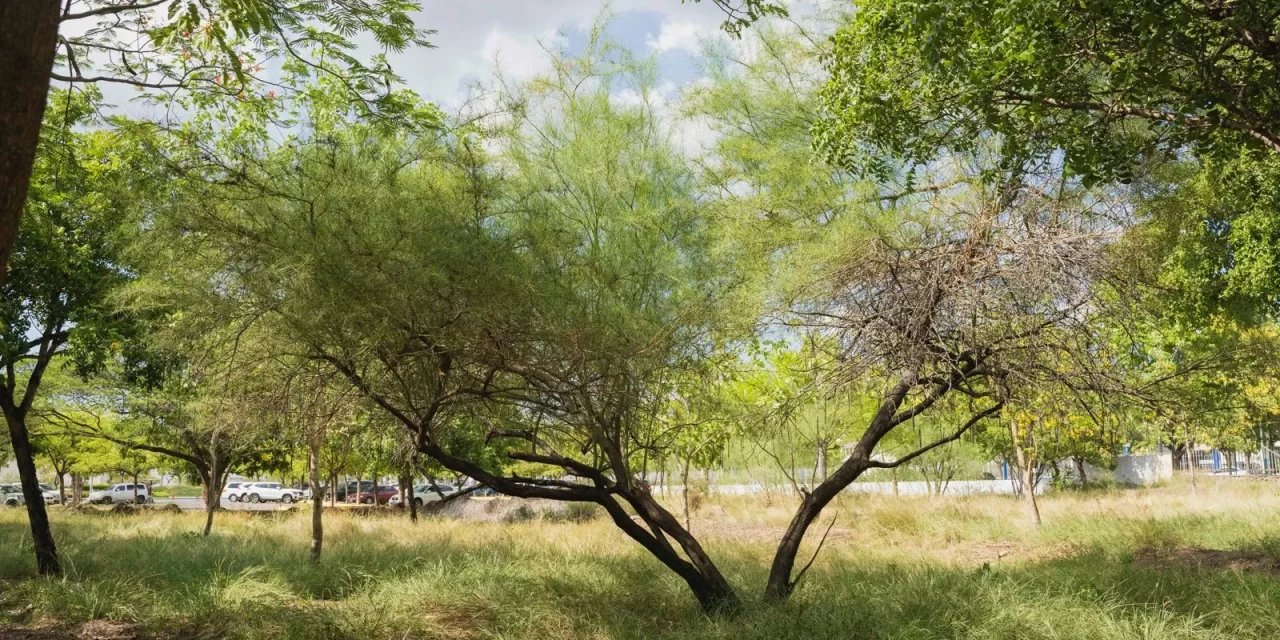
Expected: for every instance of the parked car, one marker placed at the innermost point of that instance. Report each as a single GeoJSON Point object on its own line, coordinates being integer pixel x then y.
{"type": "Point", "coordinates": [383, 495]}
{"type": "Point", "coordinates": [12, 495]}
{"type": "Point", "coordinates": [50, 494]}
{"type": "Point", "coordinates": [485, 492]}
{"type": "Point", "coordinates": [271, 492]}
{"type": "Point", "coordinates": [424, 493]}
{"type": "Point", "coordinates": [121, 493]}
{"type": "Point", "coordinates": [231, 493]}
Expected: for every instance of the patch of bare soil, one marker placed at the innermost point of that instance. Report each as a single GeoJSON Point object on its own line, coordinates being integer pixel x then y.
{"type": "Point", "coordinates": [1242, 561]}
{"type": "Point", "coordinates": [93, 630]}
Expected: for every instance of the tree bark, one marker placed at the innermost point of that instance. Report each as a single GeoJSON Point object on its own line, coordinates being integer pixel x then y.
{"type": "Point", "coordinates": [1025, 472]}
{"type": "Point", "coordinates": [41, 534]}
{"type": "Point", "coordinates": [28, 39]}
{"type": "Point", "coordinates": [1080, 472]}
{"type": "Point", "coordinates": [820, 473]}
{"type": "Point", "coordinates": [317, 500]}
{"type": "Point", "coordinates": [213, 491]}
{"type": "Point", "coordinates": [780, 584]}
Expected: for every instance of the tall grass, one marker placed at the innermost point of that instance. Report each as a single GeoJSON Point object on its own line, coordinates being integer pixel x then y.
{"type": "Point", "coordinates": [892, 568]}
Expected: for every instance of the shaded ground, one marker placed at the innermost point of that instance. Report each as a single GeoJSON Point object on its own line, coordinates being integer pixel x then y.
{"type": "Point", "coordinates": [1241, 561]}
{"type": "Point", "coordinates": [1150, 566]}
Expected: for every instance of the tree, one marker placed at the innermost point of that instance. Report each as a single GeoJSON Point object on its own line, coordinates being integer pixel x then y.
{"type": "Point", "coordinates": [181, 48]}
{"type": "Point", "coordinates": [1177, 97]}
{"type": "Point", "coordinates": [72, 255]}
{"type": "Point", "coordinates": [1107, 83]}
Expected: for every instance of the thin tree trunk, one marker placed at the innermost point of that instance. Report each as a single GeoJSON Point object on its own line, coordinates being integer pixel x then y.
{"type": "Point", "coordinates": [41, 534]}
{"type": "Point", "coordinates": [1191, 463]}
{"type": "Point", "coordinates": [821, 471]}
{"type": "Point", "coordinates": [1080, 471]}
{"type": "Point", "coordinates": [212, 490]}
{"type": "Point", "coordinates": [317, 499]}
{"type": "Point", "coordinates": [685, 480]}
{"type": "Point", "coordinates": [409, 493]}
{"type": "Point", "coordinates": [135, 488]}
{"type": "Point", "coordinates": [28, 37]}
{"type": "Point", "coordinates": [1026, 473]}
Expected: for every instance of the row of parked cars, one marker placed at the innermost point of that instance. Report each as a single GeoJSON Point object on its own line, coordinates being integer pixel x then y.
{"type": "Point", "coordinates": [352, 492]}
{"type": "Point", "coordinates": [11, 494]}
{"type": "Point", "coordinates": [254, 492]}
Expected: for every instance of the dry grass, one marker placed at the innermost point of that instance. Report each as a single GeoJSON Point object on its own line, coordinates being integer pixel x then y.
{"type": "Point", "coordinates": [1107, 564]}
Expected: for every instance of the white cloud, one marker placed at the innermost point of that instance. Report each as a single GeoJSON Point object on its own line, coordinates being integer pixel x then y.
{"type": "Point", "coordinates": [678, 35]}
{"type": "Point", "coordinates": [519, 57]}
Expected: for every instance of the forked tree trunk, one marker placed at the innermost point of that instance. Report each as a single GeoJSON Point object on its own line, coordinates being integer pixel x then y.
{"type": "Point", "coordinates": [212, 477]}
{"type": "Point", "coordinates": [781, 584]}
{"type": "Point", "coordinates": [28, 40]}
{"type": "Point", "coordinates": [317, 499]}
{"type": "Point", "coordinates": [41, 535]}
{"type": "Point", "coordinates": [709, 586]}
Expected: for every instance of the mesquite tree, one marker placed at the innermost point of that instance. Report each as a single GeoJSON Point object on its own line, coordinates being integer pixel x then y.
{"type": "Point", "coordinates": [182, 49]}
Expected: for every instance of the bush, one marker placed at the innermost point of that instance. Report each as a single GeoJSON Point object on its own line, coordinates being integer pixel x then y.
{"type": "Point", "coordinates": [522, 513]}
{"type": "Point", "coordinates": [698, 490]}
{"type": "Point", "coordinates": [576, 512]}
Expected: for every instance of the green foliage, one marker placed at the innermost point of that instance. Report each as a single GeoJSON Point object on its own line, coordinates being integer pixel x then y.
{"type": "Point", "coordinates": [1105, 83]}
{"type": "Point", "coordinates": [222, 52]}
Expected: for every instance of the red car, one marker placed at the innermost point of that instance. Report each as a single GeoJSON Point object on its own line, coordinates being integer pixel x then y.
{"type": "Point", "coordinates": [367, 496]}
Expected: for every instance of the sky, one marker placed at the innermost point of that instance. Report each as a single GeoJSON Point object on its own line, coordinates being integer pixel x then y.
{"type": "Point", "coordinates": [475, 35]}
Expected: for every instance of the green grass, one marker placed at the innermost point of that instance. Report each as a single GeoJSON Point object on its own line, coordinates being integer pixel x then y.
{"type": "Point", "coordinates": [893, 568]}
{"type": "Point", "coordinates": [176, 491]}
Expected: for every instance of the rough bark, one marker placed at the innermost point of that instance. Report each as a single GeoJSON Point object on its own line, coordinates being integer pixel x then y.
{"type": "Point", "coordinates": [41, 535]}
{"type": "Point", "coordinates": [317, 500]}
{"type": "Point", "coordinates": [28, 36]}
{"type": "Point", "coordinates": [780, 583]}
{"type": "Point", "coordinates": [412, 502]}
{"type": "Point", "coordinates": [1026, 473]}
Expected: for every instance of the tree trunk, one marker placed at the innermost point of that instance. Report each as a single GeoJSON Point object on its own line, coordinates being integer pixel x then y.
{"type": "Point", "coordinates": [821, 470]}
{"type": "Point", "coordinates": [412, 502]}
{"type": "Point", "coordinates": [41, 534]}
{"type": "Point", "coordinates": [375, 488]}
{"type": "Point", "coordinates": [212, 490]}
{"type": "Point", "coordinates": [1080, 472]}
{"type": "Point", "coordinates": [317, 500]}
{"type": "Point", "coordinates": [685, 480]}
{"type": "Point", "coordinates": [780, 583]}
{"type": "Point", "coordinates": [62, 493]}
{"type": "Point", "coordinates": [28, 40]}
{"type": "Point", "coordinates": [713, 591]}
{"type": "Point", "coordinates": [1191, 462]}
{"type": "Point", "coordinates": [1025, 472]}
{"type": "Point", "coordinates": [135, 488]}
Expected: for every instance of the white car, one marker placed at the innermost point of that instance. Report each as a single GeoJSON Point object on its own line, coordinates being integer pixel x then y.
{"type": "Point", "coordinates": [121, 493]}
{"type": "Point", "coordinates": [270, 492]}
{"type": "Point", "coordinates": [50, 494]}
{"type": "Point", "coordinates": [11, 494]}
{"type": "Point", "coordinates": [424, 493]}
{"type": "Point", "coordinates": [233, 491]}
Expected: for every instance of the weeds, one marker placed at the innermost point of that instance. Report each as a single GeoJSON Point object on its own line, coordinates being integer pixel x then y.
{"type": "Point", "coordinates": [1107, 565]}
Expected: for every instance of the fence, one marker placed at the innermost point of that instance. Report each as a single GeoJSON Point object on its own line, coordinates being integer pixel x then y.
{"type": "Point", "coordinates": [1264, 461]}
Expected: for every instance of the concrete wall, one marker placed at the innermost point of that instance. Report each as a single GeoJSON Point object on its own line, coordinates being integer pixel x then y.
{"type": "Point", "coordinates": [1144, 470]}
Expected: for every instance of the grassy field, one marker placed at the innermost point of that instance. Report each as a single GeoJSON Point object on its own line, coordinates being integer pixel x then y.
{"type": "Point", "coordinates": [1158, 563]}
